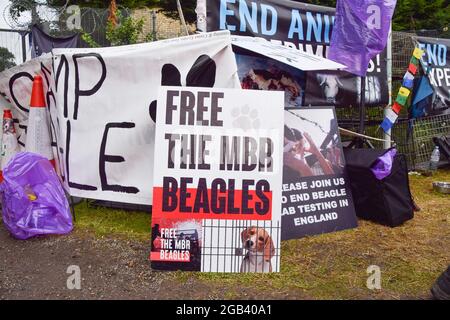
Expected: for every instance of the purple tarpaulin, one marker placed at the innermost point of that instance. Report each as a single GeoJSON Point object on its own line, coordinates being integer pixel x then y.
{"type": "Point", "coordinates": [360, 32]}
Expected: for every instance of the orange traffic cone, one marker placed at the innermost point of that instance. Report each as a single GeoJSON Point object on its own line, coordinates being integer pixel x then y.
{"type": "Point", "coordinates": [10, 146]}
{"type": "Point", "coordinates": [38, 131]}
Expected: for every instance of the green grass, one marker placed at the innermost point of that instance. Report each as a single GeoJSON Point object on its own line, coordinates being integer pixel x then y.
{"type": "Point", "coordinates": [104, 221]}
{"type": "Point", "coordinates": [330, 266]}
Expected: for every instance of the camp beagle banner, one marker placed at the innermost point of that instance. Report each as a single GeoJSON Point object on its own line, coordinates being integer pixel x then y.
{"type": "Point", "coordinates": [298, 25]}
{"type": "Point", "coordinates": [316, 193]}
{"type": "Point", "coordinates": [106, 104]}
{"type": "Point", "coordinates": [16, 84]}
{"type": "Point", "coordinates": [217, 180]}
{"type": "Point", "coordinates": [436, 64]}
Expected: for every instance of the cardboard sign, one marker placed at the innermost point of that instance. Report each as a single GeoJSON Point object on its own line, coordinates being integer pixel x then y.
{"type": "Point", "coordinates": [316, 194]}
{"type": "Point", "coordinates": [217, 180]}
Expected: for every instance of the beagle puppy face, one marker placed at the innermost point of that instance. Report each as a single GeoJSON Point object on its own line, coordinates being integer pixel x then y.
{"type": "Point", "coordinates": [258, 240]}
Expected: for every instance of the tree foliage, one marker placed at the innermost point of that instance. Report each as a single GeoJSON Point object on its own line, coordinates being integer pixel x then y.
{"type": "Point", "coordinates": [6, 59]}
{"type": "Point", "coordinates": [422, 14]}
{"type": "Point", "coordinates": [132, 4]}
{"type": "Point", "coordinates": [127, 31]}
{"type": "Point", "coordinates": [409, 15]}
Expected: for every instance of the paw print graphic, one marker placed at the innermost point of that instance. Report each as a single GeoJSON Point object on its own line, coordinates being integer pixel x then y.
{"type": "Point", "coordinates": [201, 74]}
{"type": "Point", "coordinates": [245, 118]}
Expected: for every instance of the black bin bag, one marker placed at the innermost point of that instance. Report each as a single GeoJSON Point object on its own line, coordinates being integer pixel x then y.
{"type": "Point", "coordinates": [388, 201]}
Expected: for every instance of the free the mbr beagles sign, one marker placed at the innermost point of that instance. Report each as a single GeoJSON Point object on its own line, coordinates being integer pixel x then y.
{"type": "Point", "coordinates": [217, 180]}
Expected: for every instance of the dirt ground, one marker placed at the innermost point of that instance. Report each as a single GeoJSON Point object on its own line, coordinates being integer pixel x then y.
{"type": "Point", "coordinates": [110, 269]}
{"type": "Point", "coordinates": [111, 249]}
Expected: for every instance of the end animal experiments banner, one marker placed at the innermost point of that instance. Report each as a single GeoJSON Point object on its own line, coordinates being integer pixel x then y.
{"type": "Point", "coordinates": [307, 28]}
{"type": "Point", "coordinates": [106, 108]}
{"type": "Point", "coordinates": [436, 63]}
{"type": "Point", "coordinates": [217, 180]}
{"type": "Point", "coordinates": [316, 196]}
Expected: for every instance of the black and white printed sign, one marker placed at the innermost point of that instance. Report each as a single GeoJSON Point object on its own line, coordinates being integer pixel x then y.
{"type": "Point", "coordinates": [316, 195]}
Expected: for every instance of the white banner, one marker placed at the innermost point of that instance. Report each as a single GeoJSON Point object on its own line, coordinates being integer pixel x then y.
{"type": "Point", "coordinates": [106, 106]}
{"type": "Point", "coordinates": [16, 84]}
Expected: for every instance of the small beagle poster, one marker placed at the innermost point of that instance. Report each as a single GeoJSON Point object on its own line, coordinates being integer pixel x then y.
{"type": "Point", "coordinates": [217, 180]}
{"type": "Point", "coordinates": [316, 194]}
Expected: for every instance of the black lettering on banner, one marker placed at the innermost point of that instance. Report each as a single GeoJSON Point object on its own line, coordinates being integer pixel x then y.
{"type": "Point", "coordinates": [201, 107]}
{"type": "Point", "coordinates": [46, 73]}
{"type": "Point", "coordinates": [229, 158]}
{"type": "Point", "coordinates": [231, 207]}
{"type": "Point", "coordinates": [201, 197]}
{"type": "Point", "coordinates": [52, 124]}
{"type": "Point", "coordinates": [188, 152]}
{"type": "Point", "coordinates": [85, 93]}
{"type": "Point", "coordinates": [60, 154]}
{"type": "Point", "coordinates": [216, 109]}
{"type": "Point", "coordinates": [262, 207]}
{"type": "Point", "coordinates": [11, 88]}
{"type": "Point", "coordinates": [246, 196]}
{"type": "Point", "coordinates": [171, 138]}
{"type": "Point", "coordinates": [265, 155]}
{"type": "Point", "coordinates": [73, 184]}
{"type": "Point", "coordinates": [184, 195]}
{"type": "Point", "coordinates": [250, 159]}
{"type": "Point", "coordinates": [110, 158]}
{"type": "Point", "coordinates": [170, 106]}
{"type": "Point", "coordinates": [204, 152]}
{"type": "Point", "coordinates": [54, 139]}
{"type": "Point", "coordinates": [64, 63]}
{"type": "Point", "coordinates": [169, 198]}
{"type": "Point", "coordinates": [218, 204]}
{"type": "Point", "coordinates": [23, 127]}
{"type": "Point", "coordinates": [187, 104]}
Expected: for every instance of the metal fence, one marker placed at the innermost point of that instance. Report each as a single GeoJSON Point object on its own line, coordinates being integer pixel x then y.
{"type": "Point", "coordinates": [17, 42]}
{"type": "Point", "coordinates": [222, 247]}
{"type": "Point", "coordinates": [412, 137]}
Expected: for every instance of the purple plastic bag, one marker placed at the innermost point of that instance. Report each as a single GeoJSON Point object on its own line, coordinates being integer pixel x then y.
{"type": "Point", "coordinates": [33, 200]}
{"type": "Point", "coordinates": [383, 166]}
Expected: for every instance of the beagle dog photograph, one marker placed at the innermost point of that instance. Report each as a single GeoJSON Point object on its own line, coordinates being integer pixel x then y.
{"type": "Point", "coordinates": [260, 250]}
